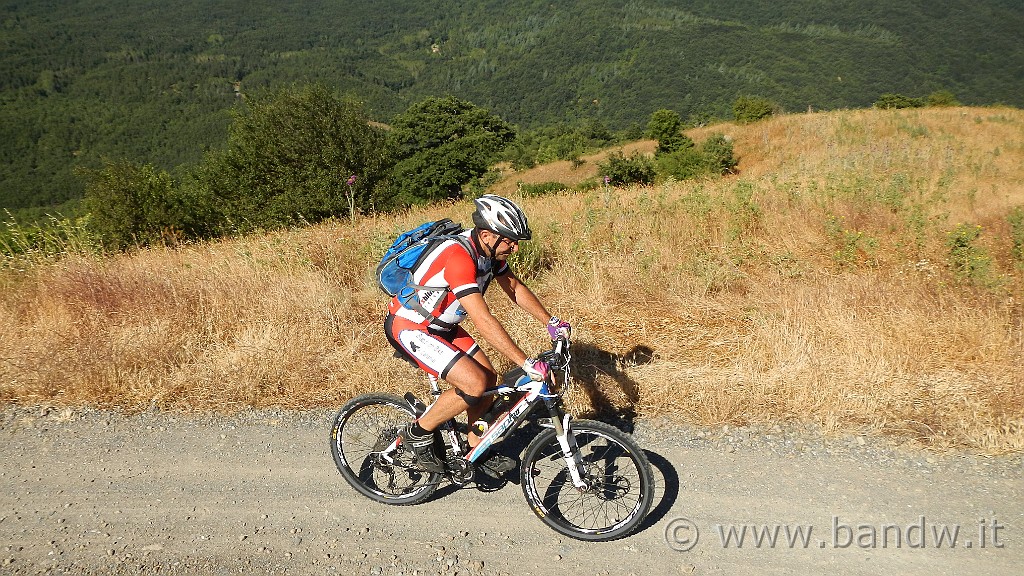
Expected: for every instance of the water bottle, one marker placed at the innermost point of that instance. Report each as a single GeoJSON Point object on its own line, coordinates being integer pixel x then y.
{"type": "Point", "coordinates": [480, 427]}
{"type": "Point", "coordinates": [501, 403]}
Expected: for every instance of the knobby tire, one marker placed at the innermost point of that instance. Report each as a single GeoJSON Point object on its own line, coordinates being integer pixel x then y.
{"type": "Point", "coordinates": [621, 483]}
{"type": "Point", "coordinates": [363, 427]}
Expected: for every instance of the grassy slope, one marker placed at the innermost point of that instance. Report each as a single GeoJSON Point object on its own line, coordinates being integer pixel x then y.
{"type": "Point", "coordinates": [815, 286]}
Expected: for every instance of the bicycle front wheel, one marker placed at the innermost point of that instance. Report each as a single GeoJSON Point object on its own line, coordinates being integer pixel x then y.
{"type": "Point", "coordinates": [363, 428]}
{"type": "Point", "coordinates": [619, 483]}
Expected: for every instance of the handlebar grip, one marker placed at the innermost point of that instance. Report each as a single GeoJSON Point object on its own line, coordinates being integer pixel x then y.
{"type": "Point", "coordinates": [560, 352]}
{"type": "Point", "coordinates": [561, 343]}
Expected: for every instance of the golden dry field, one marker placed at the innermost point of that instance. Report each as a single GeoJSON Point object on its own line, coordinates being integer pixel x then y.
{"type": "Point", "coordinates": [863, 271]}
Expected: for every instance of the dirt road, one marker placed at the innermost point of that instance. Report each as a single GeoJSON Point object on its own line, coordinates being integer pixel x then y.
{"type": "Point", "coordinates": [257, 493]}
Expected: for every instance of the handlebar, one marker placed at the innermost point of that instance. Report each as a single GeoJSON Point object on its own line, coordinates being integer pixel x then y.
{"type": "Point", "coordinates": [558, 357]}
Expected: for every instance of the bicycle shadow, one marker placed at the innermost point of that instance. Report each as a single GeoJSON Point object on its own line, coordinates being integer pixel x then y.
{"type": "Point", "coordinates": [666, 484]}
{"type": "Point", "coordinates": [591, 365]}
{"type": "Point", "coordinates": [666, 489]}
{"type": "Point", "coordinates": [592, 369]}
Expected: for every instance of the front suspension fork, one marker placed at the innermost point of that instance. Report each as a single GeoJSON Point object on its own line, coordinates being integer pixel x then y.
{"type": "Point", "coordinates": [570, 450]}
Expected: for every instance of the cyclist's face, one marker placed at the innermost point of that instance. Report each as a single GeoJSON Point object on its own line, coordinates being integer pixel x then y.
{"type": "Point", "coordinates": [507, 246]}
{"type": "Point", "coordinates": [503, 247]}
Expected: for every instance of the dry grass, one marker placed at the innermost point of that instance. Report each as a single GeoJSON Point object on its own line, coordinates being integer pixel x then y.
{"type": "Point", "coordinates": [815, 287]}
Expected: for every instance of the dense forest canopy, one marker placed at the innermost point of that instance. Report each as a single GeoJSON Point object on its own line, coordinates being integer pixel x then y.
{"type": "Point", "coordinates": [82, 81]}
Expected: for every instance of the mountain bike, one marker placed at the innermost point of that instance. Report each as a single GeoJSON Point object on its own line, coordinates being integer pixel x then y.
{"type": "Point", "coordinates": [584, 479]}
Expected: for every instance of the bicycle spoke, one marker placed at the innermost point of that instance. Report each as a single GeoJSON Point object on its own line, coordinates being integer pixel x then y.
{"type": "Point", "coordinates": [363, 430]}
{"type": "Point", "coordinates": [613, 495]}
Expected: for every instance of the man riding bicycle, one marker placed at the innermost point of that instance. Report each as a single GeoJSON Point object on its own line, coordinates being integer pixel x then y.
{"type": "Point", "coordinates": [458, 274]}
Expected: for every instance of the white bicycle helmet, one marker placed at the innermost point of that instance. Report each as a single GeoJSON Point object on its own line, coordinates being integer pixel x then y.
{"type": "Point", "coordinates": [501, 216]}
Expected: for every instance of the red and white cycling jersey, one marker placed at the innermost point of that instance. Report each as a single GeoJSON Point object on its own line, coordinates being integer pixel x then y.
{"type": "Point", "coordinates": [454, 273]}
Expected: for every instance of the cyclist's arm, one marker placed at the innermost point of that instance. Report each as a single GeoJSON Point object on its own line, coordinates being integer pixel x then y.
{"type": "Point", "coordinates": [523, 297]}
{"type": "Point", "coordinates": [490, 329]}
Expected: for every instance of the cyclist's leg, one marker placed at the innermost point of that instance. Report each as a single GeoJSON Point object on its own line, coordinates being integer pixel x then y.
{"type": "Point", "coordinates": [464, 341]}
{"type": "Point", "coordinates": [495, 465]}
{"type": "Point", "coordinates": [450, 358]}
{"type": "Point", "coordinates": [472, 380]}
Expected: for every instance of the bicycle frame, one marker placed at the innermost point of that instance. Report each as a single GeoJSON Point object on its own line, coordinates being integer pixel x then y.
{"type": "Point", "coordinates": [535, 394]}
{"type": "Point", "coordinates": [584, 479]}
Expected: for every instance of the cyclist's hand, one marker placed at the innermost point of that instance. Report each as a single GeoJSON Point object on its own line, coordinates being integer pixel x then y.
{"type": "Point", "coordinates": [536, 369]}
{"type": "Point", "coordinates": [558, 328]}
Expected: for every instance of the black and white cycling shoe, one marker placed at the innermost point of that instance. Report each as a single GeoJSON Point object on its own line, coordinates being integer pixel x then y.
{"type": "Point", "coordinates": [422, 448]}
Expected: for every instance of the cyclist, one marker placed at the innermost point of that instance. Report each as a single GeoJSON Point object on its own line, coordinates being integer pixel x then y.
{"type": "Point", "coordinates": [458, 278]}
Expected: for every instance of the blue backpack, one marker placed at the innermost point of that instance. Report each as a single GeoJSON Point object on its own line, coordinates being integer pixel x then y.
{"type": "Point", "coordinates": [396, 268]}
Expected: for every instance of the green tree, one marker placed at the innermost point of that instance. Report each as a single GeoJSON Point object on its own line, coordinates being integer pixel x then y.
{"type": "Point", "coordinates": [521, 156]}
{"type": "Point", "coordinates": [596, 131]}
{"type": "Point", "coordinates": [289, 158]}
{"type": "Point", "coordinates": [133, 204]}
{"type": "Point", "coordinates": [442, 144]}
{"type": "Point", "coordinates": [666, 127]}
{"type": "Point", "coordinates": [81, 83]}
{"type": "Point", "coordinates": [747, 109]}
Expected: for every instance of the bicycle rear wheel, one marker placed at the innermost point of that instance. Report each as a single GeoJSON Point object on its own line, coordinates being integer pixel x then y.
{"type": "Point", "coordinates": [620, 484]}
{"type": "Point", "coordinates": [362, 428]}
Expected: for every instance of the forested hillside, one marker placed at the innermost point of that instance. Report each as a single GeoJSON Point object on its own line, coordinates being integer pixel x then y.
{"type": "Point", "coordinates": [83, 80]}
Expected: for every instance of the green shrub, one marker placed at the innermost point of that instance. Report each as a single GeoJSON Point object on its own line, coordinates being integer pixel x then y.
{"type": "Point", "coordinates": [850, 247]}
{"type": "Point", "coordinates": [290, 154]}
{"type": "Point", "coordinates": [637, 169]}
{"type": "Point", "coordinates": [589, 184]}
{"type": "Point", "coordinates": [682, 164]}
{"type": "Point", "coordinates": [967, 260]}
{"type": "Point", "coordinates": [713, 157]}
{"type": "Point", "coordinates": [745, 213]}
{"type": "Point", "coordinates": [889, 101]}
{"type": "Point", "coordinates": [38, 241]}
{"type": "Point", "coordinates": [666, 127]}
{"type": "Point", "coordinates": [1016, 220]}
{"type": "Point", "coordinates": [139, 205]}
{"type": "Point", "coordinates": [896, 101]}
{"type": "Point", "coordinates": [718, 152]}
{"type": "Point", "coordinates": [520, 156]}
{"type": "Point", "coordinates": [747, 109]}
{"type": "Point", "coordinates": [541, 188]}
{"type": "Point", "coordinates": [560, 142]}
{"type": "Point", "coordinates": [942, 98]}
